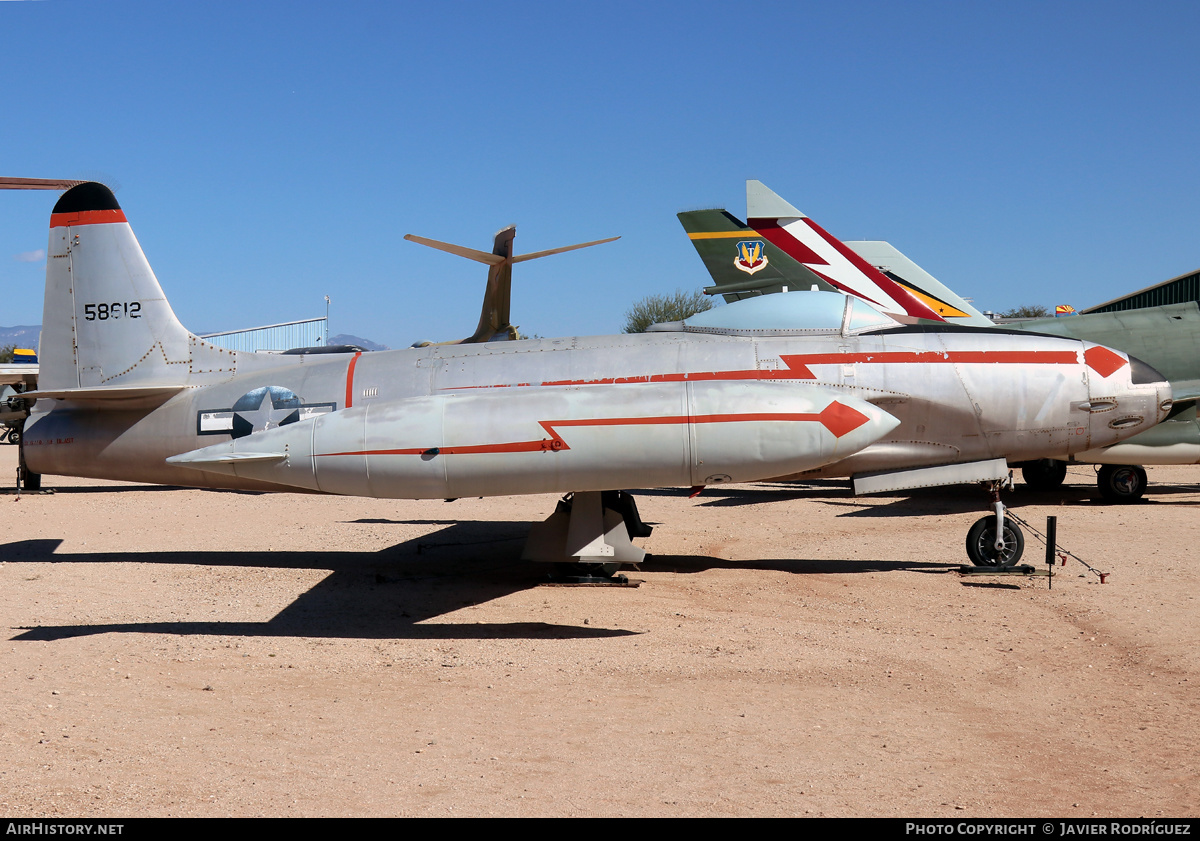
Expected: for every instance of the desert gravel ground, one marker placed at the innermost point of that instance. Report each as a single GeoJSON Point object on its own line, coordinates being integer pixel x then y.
{"type": "Point", "coordinates": [793, 650]}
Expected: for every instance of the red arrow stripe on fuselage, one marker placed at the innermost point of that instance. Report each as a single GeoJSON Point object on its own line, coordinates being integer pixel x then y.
{"type": "Point", "coordinates": [836, 417]}
{"type": "Point", "coordinates": [799, 363]}
{"type": "Point", "coordinates": [798, 366]}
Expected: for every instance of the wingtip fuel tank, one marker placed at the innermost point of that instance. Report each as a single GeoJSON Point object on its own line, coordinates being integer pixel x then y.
{"type": "Point", "coordinates": [557, 440]}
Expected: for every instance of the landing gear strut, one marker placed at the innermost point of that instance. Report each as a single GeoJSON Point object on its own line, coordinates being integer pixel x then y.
{"type": "Point", "coordinates": [588, 537]}
{"type": "Point", "coordinates": [995, 541]}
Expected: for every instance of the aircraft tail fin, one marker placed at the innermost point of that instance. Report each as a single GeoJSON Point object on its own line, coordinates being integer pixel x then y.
{"type": "Point", "coordinates": [809, 244]}
{"type": "Point", "coordinates": [919, 283]}
{"type": "Point", "coordinates": [494, 320]}
{"type": "Point", "coordinates": [742, 263]}
{"type": "Point", "coordinates": [106, 322]}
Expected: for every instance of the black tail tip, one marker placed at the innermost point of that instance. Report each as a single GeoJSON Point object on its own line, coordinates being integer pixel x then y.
{"type": "Point", "coordinates": [85, 197]}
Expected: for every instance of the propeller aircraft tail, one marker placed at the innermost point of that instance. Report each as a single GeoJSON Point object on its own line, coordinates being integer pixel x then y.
{"type": "Point", "coordinates": [494, 323]}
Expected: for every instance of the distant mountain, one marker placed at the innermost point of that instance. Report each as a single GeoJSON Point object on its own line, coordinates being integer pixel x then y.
{"type": "Point", "coordinates": [357, 341]}
{"type": "Point", "coordinates": [23, 336]}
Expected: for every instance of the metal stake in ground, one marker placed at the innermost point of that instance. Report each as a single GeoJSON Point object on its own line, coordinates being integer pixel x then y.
{"type": "Point", "coordinates": [1051, 533]}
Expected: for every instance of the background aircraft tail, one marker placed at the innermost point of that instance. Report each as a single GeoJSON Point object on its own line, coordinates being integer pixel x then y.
{"type": "Point", "coordinates": [106, 323]}
{"type": "Point", "coordinates": [494, 323]}
{"type": "Point", "coordinates": [780, 248]}
{"type": "Point", "coordinates": [741, 262]}
{"type": "Point", "coordinates": [919, 283]}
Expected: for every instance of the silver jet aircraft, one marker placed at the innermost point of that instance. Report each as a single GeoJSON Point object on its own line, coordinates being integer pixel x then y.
{"type": "Point", "coordinates": [760, 388]}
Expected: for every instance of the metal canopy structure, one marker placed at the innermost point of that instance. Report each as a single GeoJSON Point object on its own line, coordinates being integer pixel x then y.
{"type": "Point", "coordinates": [1177, 290]}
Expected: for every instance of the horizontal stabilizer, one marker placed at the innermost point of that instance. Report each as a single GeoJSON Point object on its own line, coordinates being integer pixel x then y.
{"type": "Point", "coordinates": [494, 324]}
{"type": "Point", "coordinates": [521, 258]}
{"type": "Point", "coordinates": [460, 250]}
{"type": "Point", "coordinates": [36, 184]}
{"type": "Point", "coordinates": [496, 259]}
{"type": "Point", "coordinates": [931, 477]}
{"type": "Point", "coordinates": [107, 393]}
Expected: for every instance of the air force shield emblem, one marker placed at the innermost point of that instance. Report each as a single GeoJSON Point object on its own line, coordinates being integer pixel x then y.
{"type": "Point", "coordinates": [751, 256]}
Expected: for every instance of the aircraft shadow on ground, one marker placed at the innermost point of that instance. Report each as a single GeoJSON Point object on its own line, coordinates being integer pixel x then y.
{"type": "Point", "coordinates": [392, 593]}
{"type": "Point", "coordinates": [682, 564]}
{"type": "Point", "coordinates": [115, 488]}
{"type": "Point", "coordinates": [369, 595]}
{"type": "Point", "coordinates": [92, 489]}
{"type": "Point", "coordinates": [954, 499]}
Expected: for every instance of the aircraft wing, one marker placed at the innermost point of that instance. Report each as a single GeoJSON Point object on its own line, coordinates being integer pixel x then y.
{"type": "Point", "coordinates": [13, 374]}
{"type": "Point", "coordinates": [104, 394]}
{"type": "Point", "coordinates": [1185, 391]}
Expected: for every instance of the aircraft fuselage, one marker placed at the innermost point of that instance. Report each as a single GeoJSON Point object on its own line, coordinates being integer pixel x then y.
{"type": "Point", "coordinates": [555, 415]}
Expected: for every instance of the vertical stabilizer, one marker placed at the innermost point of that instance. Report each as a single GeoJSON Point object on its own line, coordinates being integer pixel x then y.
{"type": "Point", "coordinates": [494, 318]}
{"type": "Point", "coordinates": [741, 262]}
{"type": "Point", "coordinates": [810, 245]}
{"type": "Point", "coordinates": [106, 321]}
{"type": "Point", "coordinates": [920, 284]}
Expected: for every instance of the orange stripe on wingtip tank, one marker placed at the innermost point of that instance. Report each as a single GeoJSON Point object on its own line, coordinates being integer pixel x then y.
{"type": "Point", "coordinates": [86, 217]}
{"type": "Point", "coordinates": [350, 380]}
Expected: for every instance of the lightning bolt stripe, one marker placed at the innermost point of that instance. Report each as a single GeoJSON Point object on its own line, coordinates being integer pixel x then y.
{"type": "Point", "coordinates": [896, 296]}
{"type": "Point", "coordinates": [799, 363]}
{"type": "Point", "coordinates": [798, 366]}
{"type": "Point", "coordinates": [836, 417]}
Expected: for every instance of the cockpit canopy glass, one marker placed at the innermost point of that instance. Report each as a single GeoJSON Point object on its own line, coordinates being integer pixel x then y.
{"type": "Point", "coordinates": [786, 313]}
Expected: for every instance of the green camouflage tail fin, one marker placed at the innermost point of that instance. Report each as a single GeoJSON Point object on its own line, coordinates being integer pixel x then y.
{"type": "Point", "coordinates": [742, 262]}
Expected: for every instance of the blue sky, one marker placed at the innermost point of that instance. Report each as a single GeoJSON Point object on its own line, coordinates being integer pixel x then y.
{"type": "Point", "coordinates": [268, 154]}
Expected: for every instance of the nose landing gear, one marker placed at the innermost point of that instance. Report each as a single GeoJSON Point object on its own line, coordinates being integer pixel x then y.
{"type": "Point", "coordinates": [995, 541]}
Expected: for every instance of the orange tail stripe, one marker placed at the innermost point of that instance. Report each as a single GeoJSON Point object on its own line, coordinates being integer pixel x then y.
{"type": "Point", "coordinates": [86, 217]}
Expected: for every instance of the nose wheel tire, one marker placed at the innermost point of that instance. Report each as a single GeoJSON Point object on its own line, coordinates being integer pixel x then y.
{"type": "Point", "coordinates": [1121, 483]}
{"type": "Point", "coordinates": [981, 544]}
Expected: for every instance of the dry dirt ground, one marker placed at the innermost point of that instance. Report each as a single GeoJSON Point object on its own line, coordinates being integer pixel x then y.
{"type": "Point", "coordinates": [793, 650]}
